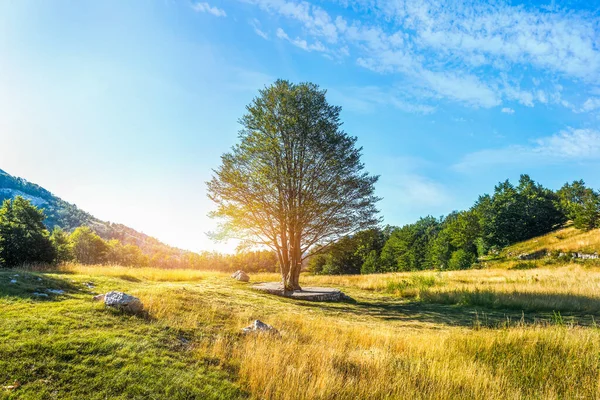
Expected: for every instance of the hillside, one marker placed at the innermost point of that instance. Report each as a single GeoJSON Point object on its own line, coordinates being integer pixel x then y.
{"type": "Point", "coordinates": [567, 239]}
{"type": "Point", "coordinates": [68, 216]}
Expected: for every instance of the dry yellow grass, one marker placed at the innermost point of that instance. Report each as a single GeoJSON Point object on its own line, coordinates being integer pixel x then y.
{"type": "Point", "coordinates": [407, 335]}
{"type": "Point", "coordinates": [566, 239]}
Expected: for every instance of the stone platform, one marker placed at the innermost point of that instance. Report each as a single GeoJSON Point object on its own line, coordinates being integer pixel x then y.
{"type": "Point", "coordinates": [307, 293]}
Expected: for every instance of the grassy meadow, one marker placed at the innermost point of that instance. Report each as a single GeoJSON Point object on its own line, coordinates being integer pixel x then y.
{"type": "Point", "coordinates": [495, 333]}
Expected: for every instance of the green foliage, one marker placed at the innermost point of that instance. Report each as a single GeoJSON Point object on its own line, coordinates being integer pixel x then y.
{"type": "Point", "coordinates": [88, 248]}
{"type": "Point", "coordinates": [127, 255]}
{"type": "Point", "coordinates": [514, 214]}
{"type": "Point", "coordinates": [408, 247]}
{"type": "Point", "coordinates": [354, 254]}
{"type": "Point", "coordinates": [23, 236]}
{"type": "Point", "coordinates": [62, 245]}
{"type": "Point", "coordinates": [462, 259]}
{"type": "Point", "coordinates": [580, 204]}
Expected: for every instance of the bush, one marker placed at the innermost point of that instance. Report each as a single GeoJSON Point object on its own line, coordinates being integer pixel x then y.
{"type": "Point", "coordinates": [524, 265]}
{"type": "Point", "coordinates": [461, 259]}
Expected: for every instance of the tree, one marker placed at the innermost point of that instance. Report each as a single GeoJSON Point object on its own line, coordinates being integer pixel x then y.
{"type": "Point", "coordinates": [462, 259]}
{"type": "Point", "coordinates": [408, 247]}
{"type": "Point", "coordinates": [62, 245]}
{"type": "Point", "coordinates": [23, 236]}
{"type": "Point", "coordinates": [354, 254]}
{"type": "Point", "coordinates": [519, 213]}
{"type": "Point", "coordinates": [295, 180]}
{"type": "Point", "coordinates": [580, 204]}
{"type": "Point", "coordinates": [88, 248]}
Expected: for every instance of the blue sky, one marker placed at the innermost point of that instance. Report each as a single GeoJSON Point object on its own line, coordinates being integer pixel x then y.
{"type": "Point", "coordinates": [123, 107]}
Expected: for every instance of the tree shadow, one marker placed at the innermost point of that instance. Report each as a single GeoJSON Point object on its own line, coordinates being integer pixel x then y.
{"type": "Point", "coordinates": [37, 286]}
{"type": "Point", "coordinates": [460, 315]}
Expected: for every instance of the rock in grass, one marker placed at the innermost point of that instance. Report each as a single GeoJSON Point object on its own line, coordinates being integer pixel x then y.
{"type": "Point", "coordinates": [259, 326]}
{"type": "Point", "coordinates": [241, 276]}
{"type": "Point", "coordinates": [99, 297]}
{"type": "Point", "coordinates": [123, 301]}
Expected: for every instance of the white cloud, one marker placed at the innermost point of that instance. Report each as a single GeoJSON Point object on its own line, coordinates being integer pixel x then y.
{"type": "Point", "coordinates": [508, 110]}
{"type": "Point", "coordinates": [591, 104]}
{"type": "Point", "coordinates": [473, 53]}
{"type": "Point", "coordinates": [207, 8]}
{"type": "Point", "coordinates": [301, 43]}
{"type": "Point", "coordinates": [256, 25]}
{"type": "Point", "coordinates": [569, 145]}
{"type": "Point", "coordinates": [367, 99]}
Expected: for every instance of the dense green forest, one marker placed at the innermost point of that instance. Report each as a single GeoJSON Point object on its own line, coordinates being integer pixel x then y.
{"type": "Point", "coordinates": [511, 214]}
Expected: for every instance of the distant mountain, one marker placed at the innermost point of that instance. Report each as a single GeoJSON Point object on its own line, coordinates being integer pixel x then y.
{"type": "Point", "coordinates": [68, 216]}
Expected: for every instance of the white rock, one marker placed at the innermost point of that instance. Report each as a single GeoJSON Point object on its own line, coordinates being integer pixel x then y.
{"type": "Point", "coordinates": [259, 326]}
{"type": "Point", "coordinates": [123, 302]}
{"type": "Point", "coordinates": [13, 281]}
{"type": "Point", "coordinates": [241, 276]}
{"type": "Point", "coordinates": [55, 291]}
{"type": "Point", "coordinates": [40, 294]}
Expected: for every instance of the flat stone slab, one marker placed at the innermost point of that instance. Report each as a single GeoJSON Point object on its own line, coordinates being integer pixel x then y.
{"type": "Point", "coordinates": [307, 293]}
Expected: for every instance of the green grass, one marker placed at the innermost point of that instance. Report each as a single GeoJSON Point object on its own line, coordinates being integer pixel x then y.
{"type": "Point", "coordinates": [487, 334]}
{"type": "Point", "coordinates": [66, 347]}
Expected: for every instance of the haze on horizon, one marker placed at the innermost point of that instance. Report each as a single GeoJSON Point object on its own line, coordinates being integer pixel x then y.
{"type": "Point", "coordinates": [123, 108]}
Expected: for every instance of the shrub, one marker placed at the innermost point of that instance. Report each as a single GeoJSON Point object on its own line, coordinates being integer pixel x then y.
{"type": "Point", "coordinates": [461, 259]}
{"type": "Point", "coordinates": [524, 265]}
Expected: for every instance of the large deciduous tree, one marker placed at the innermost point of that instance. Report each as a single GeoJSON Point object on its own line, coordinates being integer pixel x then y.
{"type": "Point", "coordinates": [295, 180]}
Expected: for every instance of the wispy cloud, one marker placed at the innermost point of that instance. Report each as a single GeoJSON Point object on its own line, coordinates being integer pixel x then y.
{"type": "Point", "coordinates": [507, 110]}
{"type": "Point", "coordinates": [569, 145]}
{"type": "Point", "coordinates": [591, 104]}
{"type": "Point", "coordinates": [301, 43]}
{"type": "Point", "coordinates": [207, 8]}
{"type": "Point", "coordinates": [473, 53]}
{"type": "Point", "coordinates": [256, 25]}
{"type": "Point", "coordinates": [368, 98]}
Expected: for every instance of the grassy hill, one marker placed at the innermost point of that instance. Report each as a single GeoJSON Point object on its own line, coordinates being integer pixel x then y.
{"type": "Point", "coordinates": [492, 333]}
{"type": "Point", "coordinates": [568, 239]}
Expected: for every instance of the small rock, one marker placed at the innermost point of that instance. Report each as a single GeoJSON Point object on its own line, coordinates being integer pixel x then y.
{"type": "Point", "coordinates": [241, 276]}
{"type": "Point", "coordinates": [39, 294]}
{"type": "Point", "coordinates": [259, 326]}
{"type": "Point", "coordinates": [123, 302]}
{"type": "Point", "coordinates": [99, 297]}
{"type": "Point", "coordinates": [13, 281]}
{"type": "Point", "coordinates": [40, 279]}
{"type": "Point", "coordinates": [55, 291]}
{"type": "Point", "coordinates": [14, 386]}
{"type": "Point", "coordinates": [16, 275]}
{"type": "Point", "coordinates": [89, 285]}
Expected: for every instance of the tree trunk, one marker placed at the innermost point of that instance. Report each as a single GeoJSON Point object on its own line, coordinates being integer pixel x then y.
{"type": "Point", "coordinates": [291, 279]}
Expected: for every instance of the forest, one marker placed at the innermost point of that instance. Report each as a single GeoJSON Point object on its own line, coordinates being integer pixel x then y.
{"type": "Point", "coordinates": [512, 213]}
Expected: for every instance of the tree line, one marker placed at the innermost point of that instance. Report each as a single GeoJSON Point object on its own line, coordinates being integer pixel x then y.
{"type": "Point", "coordinates": [511, 214]}
{"type": "Point", "coordinates": [24, 239]}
